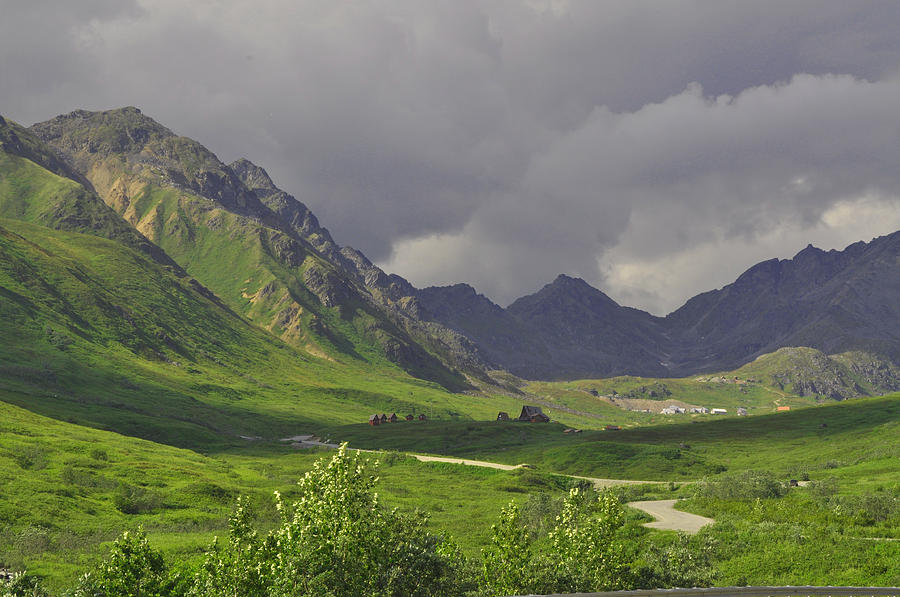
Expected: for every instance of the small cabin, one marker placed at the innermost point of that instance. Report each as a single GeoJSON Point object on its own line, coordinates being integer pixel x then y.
{"type": "Point", "coordinates": [502, 416]}
{"type": "Point", "coordinates": [422, 417]}
{"type": "Point", "coordinates": [741, 411]}
{"type": "Point", "coordinates": [384, 418]}
{"type": "Point", "coordinates": [409, 417]}
{"type": "Point", "coordinates": [783, 408]}
{"type": "Point", "coordinates": [374, 420]}
{"type": "Point", "coordinates": [533, 414]}
{"type": "Point", "coordinates": [612, 428]}
{"type": "Point", "coordinates": [393, 418]}
{"type": "Point", "coordinates": [719, 411]}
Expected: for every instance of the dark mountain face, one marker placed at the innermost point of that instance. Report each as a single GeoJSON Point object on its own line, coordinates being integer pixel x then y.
{"type": "Point", "coordinates": [834, 301]}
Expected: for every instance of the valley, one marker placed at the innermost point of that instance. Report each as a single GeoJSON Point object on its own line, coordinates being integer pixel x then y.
{"type": "Point", "coordinates": [167, 320]}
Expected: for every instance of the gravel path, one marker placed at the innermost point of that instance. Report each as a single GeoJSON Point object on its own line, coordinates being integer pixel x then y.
{"type": "Point", "coordinates": [503, 467]}
{"type": "Point", "coordinates": [598, 483]}
{"type": "Point", "coordinates": [668, 518]}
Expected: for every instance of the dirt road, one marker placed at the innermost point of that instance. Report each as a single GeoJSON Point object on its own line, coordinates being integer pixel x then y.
{"type": "Point", "coordinates": [668, 518]}
{"type": "Point", "coordinates": [502, 467]}
{"type": "Point", "coordinates": [598, 483]}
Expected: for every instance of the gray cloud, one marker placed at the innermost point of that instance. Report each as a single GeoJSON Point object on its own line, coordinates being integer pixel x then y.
{"type": "Point", "coordinates": [653, 148]}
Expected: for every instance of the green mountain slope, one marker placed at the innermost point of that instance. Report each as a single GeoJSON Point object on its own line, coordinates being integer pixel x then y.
{"type": "Point", "coordinates": [38, 187]}
{"type": "Point", "coordinates": [98, 333]}
{"type": "Point", "coordinates": [810, 372]}
{"type": "Point", "coordinates": [178, 194]}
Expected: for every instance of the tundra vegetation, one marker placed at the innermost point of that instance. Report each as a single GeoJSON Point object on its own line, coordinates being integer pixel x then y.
{"type": "Point", "coordinates": [333, 534]}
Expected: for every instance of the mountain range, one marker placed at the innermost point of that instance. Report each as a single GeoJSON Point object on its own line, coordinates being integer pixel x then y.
{"type": "Point", "coordinates": [261, 255]}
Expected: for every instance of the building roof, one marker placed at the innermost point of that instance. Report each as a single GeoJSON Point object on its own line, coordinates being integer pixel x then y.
{"type": "Point", "coordinates": [530, 411]}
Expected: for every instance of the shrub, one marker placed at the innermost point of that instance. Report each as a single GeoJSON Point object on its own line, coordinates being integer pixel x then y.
{"type": "Point", "coordinates": [506, 566]}
{"type": "Point", "coordinates": [132, 569]}
{"type": "Point", "coordinates": [335, 539]}
{"type": "Point", "coordinates": [744, 485]}
{"type": "Point", "coordinates": [584, 551]}
{"type": "Point", "coordinates": [686, 562]}
{"type": "Point", "coordinates": [129, 499]}
{"type": "Point", "coordinates": [22, 585]}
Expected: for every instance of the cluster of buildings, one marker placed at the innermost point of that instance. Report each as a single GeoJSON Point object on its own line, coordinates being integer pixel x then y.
{"type": "Point", "coordinates": [383, 419]}
{"type": "Point", "coordinates": [700, 410]}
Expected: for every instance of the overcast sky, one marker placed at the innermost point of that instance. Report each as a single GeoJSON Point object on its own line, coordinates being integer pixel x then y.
{"type": "Point", "coordinates": [655, 149]}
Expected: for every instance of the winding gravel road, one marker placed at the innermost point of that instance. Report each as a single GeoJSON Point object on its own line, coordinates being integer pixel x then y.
{"type": "Point", "coordinates": [670, 519]}
{"type": "Point", "coordinates": [598, 483]}
{"type": "Point", "coordinates": [667, 518]}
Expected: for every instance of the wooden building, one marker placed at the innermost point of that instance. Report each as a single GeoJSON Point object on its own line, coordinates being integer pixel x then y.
{"type": "Point", "coordinates": [533, 414]}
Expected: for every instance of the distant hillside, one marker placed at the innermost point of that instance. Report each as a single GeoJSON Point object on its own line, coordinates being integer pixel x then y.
{"type": "Point", "coordinates": [810, 372]}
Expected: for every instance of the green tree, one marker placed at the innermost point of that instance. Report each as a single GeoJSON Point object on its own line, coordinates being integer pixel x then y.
{"type": "Point", "coordinates": [335, 539]}
{"type": "Point", "coordinates": [132, 569]}
{"type": "Point", "coordinates": [506, 564]}
{"type": "Point", "coordinates": [585, 553]}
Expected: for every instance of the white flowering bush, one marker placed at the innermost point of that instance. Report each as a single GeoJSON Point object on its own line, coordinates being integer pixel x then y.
{"type": "Point", "coordinates": [583, 552]}
{"type": "Point", "coordinates": [335, 539]}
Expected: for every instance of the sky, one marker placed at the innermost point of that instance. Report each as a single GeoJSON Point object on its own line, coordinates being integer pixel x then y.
{"type": "Point", "coordinates": [655, 149]}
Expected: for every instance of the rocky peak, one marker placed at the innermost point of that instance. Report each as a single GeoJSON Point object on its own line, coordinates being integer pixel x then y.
{"type": "Point", "coordinates": [255, 177]}
{"type": "Point", "coordinates": [565, 292]}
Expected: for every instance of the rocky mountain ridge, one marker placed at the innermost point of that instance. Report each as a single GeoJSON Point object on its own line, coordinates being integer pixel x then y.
{"type": "Point", "coordinates": [180, 196]}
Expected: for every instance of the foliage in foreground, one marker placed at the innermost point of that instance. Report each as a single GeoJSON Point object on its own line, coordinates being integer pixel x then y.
{"type": "Point", "coordinates": [584, 552]}
{"type": "Point", "coordinates": [336, 538]}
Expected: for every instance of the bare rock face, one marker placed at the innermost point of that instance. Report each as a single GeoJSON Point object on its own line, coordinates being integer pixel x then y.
{"type": "Point", "coordinates": [330, 289]}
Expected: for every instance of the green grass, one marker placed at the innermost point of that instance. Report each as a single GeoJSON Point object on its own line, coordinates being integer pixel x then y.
{"type": "Point", "coordinates": [63, 487]}
{"type": "Point", "coordinates": [855, 431]}
{"type": "Point", "coordinates": [124, 389]}
{"type": "Point", "coordinates": [108, 338]}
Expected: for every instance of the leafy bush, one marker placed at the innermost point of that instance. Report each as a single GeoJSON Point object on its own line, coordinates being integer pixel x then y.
{"type": "Point", "coordinates": [584, 552]}
{"type": "Point", "coordinates": [132, 569]}
{"type": "Point", "coordinates": [686, 562]}
{"type": "Point", "coordinates": [741, 486]}
{"type": "Point", "coordinates": [506, 568]}
{"type": "Point", "coordinates": [22, 585]}
{"type": "Point", "coordinates": [31, 458]}
{"type": "Point", "coordinates": [129, 499]}
{"type": "Point", "coordinates": [335, 539]}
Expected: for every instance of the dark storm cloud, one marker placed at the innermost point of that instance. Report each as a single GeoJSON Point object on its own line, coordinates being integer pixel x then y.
{"type": "Point", "coordinates": [502, 143]}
